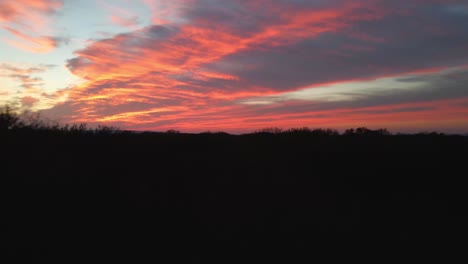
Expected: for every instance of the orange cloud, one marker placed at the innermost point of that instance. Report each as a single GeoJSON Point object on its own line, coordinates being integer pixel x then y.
{"type": "Point", "coordinates": [28, 21]}
{"type": "Point", "coordinates": [183, 72]}
{"type": "Point", "coordinates": [35, 44]}
{"type": "Point", "coordinates": [29, 10]}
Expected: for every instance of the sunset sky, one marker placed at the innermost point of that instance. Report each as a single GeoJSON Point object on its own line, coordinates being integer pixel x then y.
{"type": "Point", "coordinates": [239, 65]}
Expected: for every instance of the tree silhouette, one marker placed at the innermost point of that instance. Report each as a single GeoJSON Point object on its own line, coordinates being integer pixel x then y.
{"type": "Point", "coordinates": [9, 119]}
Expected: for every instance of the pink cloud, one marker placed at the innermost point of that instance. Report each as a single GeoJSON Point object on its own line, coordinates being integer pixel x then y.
{"type": "Point", "coordinates": [28, 21]}
{"type": "Point", "coordinates": [125, 21]}
{"type": "Point", "coordinates": [29, 101]}
{"type": "Point", "coordinates": [36, 44]}
{"type": "Point", "coordinates": [121, 16]}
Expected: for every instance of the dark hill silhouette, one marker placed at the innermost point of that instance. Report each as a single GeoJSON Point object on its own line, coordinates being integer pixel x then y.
{"type": "Point", "coordinates": [72, 194]}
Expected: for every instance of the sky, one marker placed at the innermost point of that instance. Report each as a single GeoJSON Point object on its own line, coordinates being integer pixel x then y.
{"type": "Point", "coordinates": [238, 65]}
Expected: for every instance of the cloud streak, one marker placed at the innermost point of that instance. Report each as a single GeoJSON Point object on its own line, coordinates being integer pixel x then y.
{"type": "Point", "coordinates": [27, 21]}
{"type": "Point", "coordinates": [25, 85]}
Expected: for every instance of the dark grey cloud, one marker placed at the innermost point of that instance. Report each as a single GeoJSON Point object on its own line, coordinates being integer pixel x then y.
{"type": "Point", "coordinates": [242, 18]}
{"type": "Point", "coordinates": [428, 37]}
{"type": "Point", "coordinates": [433, 87]}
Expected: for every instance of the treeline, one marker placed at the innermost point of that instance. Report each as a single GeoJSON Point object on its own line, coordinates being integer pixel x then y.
{"type": "Point", "coordinates": [12, 121]}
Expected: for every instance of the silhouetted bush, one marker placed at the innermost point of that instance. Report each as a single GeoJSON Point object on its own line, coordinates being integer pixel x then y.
{"type": "Point", "coordinates": [430, 134]}
{"type": "Point", "coordinates": [363, 131]}
{"type": "Point", "coordinates": [312, 132]}
{"type": "Point", "coordinates": [106, 130]}
{"type": "Point", "coordinates": [304, 131]}
{"type": "Point", "coordinates": [269, 130]}
{"type": "Point", "coordinates": [297, 131]}
{"type": "Point", "coordinates": [172, 131]}
{"type": "Point", "coordinates": [9, 119]}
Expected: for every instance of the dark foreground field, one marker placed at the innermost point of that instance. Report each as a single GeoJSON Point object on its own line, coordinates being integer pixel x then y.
{"type": "Point", "coordinates": [168, 197]}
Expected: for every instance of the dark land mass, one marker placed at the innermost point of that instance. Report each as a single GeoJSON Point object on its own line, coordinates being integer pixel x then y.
{"type": "Point", "coordinates": [83, 196]}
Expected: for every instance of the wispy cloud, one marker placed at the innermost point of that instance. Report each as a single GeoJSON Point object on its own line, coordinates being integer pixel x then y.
{"type": "Point", "coordinates": [25, 85]}
{"type": "Point", "coordinates": [122, 17]}
{"type": "Point", "coordinates": [26, 76]}
{"type": "Point", "coordinates": [36, 44]}
{"type": "Point", "coordinates": [29, 23]}
{"type": "Point", "coordinates": [125, 21]}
